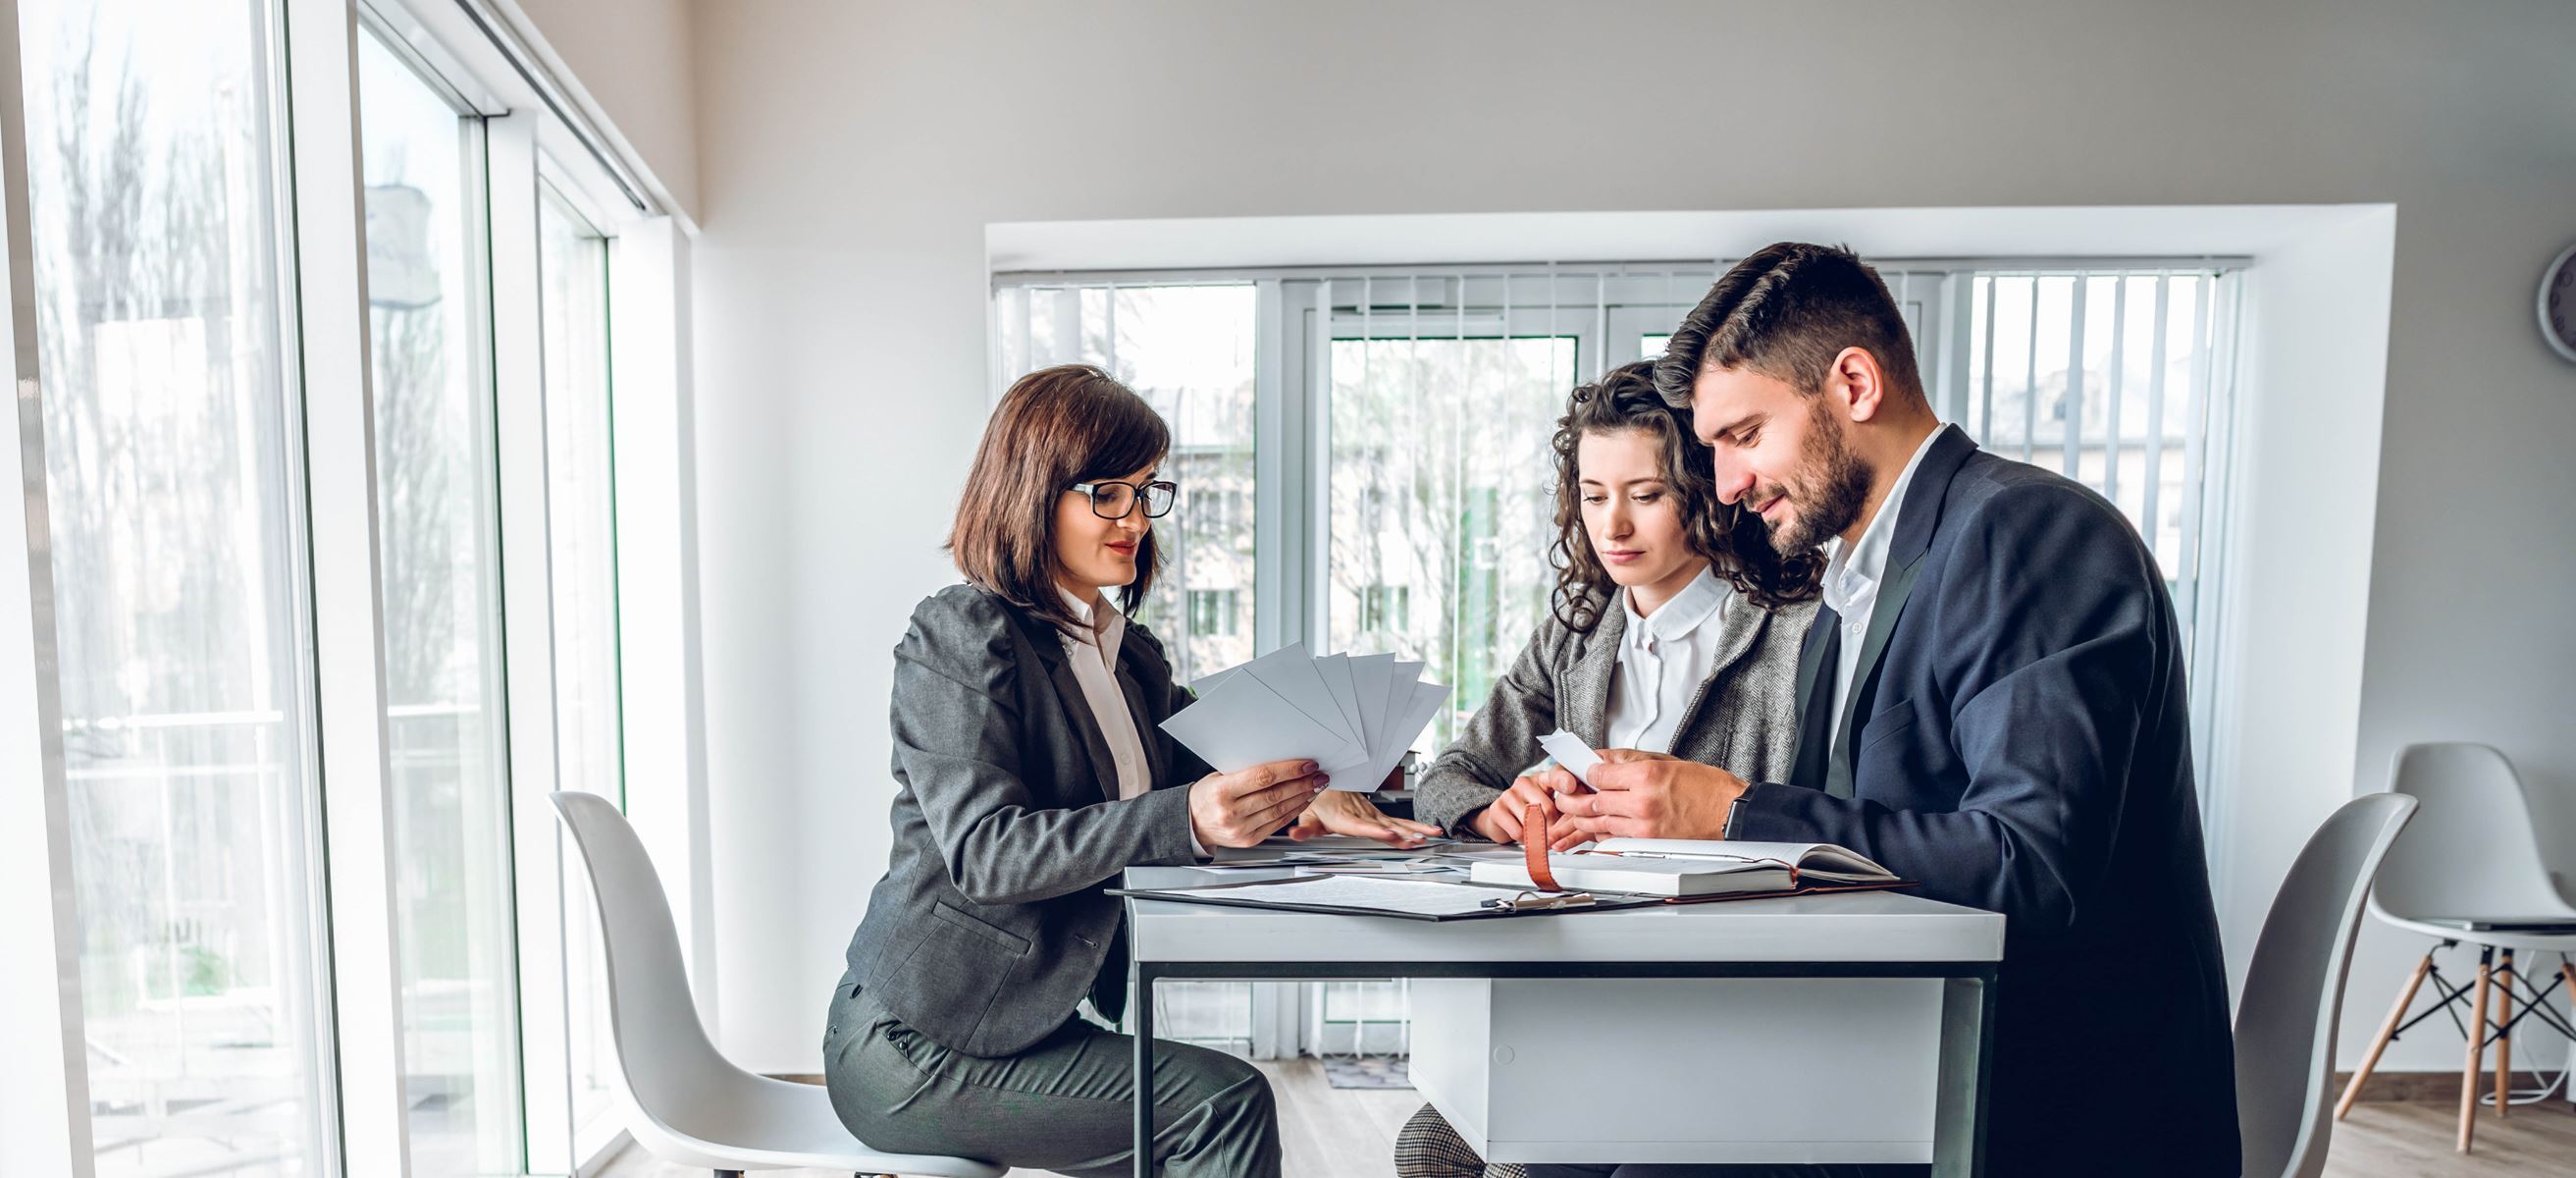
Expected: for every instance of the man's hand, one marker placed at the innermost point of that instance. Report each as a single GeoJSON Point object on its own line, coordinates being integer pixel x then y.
{"type": "Point", "coordinates": [1345, 812]}
{"type": "Point", "coordinates": [1501, 821]}
{"type": "Point", "coordinates": [1647, 796]}
{"type": "Point", "coordinates": [1241, 809]}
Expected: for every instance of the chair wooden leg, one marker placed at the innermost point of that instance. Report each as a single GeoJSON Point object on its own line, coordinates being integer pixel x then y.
{"type": "Point", "coordinates": [2504, 1035]}
{"type": "Point", "coordinates": [2387, 1031]}
{"type": "Point", "coordinates": [2477, 1050]}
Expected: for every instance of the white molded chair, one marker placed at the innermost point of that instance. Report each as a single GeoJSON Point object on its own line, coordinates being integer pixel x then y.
{"type": "Point", "coordinates": [685, 1102]}
{"type": "Point", "coordinates": [2285, 1025]}
{"type": "Point", "coordinates": [2469, 871]}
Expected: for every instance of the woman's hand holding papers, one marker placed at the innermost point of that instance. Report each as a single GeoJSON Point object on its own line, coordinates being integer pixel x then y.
{"type": "Point", "coordinates": [1240, 809]}
{"type": "Point", "coordinates": [1348, 812]}
{"type": "Point", "coordinates": [1648, 795]}
{"type": "Point", "coordinates": [1501, 821]}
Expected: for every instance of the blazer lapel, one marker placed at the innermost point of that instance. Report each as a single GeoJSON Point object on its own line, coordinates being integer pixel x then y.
{"type": "Point", "coordinates": [1049, 643]}
{"type": "Point", "coordinates": [1917, 520]}
{"type": "Point", "coordinates": [1134, 671]}
{"type": "Point", "coordinates": [1882, 620]}
{"type": "Point", "coordinates": [1823, 646]}
{"type": "Point", "coordinates": [1585, 704]}
{"type": "Point", "coordinates": [1737, 629]}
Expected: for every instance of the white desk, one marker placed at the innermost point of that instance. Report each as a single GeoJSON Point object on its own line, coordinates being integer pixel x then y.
{"type": "Point", "coordinates": [1847, 938]}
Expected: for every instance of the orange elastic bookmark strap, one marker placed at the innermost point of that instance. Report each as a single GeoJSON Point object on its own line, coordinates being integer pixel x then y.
{"type": "Point", "coordinates": [1534, 834]}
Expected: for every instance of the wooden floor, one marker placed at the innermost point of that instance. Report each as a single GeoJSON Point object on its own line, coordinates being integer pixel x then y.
{"type": "Point", "coordinates": [1328, 1133]}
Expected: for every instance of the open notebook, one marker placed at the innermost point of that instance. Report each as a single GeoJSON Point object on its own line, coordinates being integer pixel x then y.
{"type": "Point", "coordinates": [1692, 867]}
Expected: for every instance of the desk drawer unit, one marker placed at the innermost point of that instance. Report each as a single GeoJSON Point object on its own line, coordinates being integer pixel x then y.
{"type": "Point", "coordinates": [1711, 1070]}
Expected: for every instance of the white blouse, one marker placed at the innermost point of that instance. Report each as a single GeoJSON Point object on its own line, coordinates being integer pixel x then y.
{"type": "Point", "coordinates": [1095, 670]}
{"type": "Point", "coordinates": [1663, 660]}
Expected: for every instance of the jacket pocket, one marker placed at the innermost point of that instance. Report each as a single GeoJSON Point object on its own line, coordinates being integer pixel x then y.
{"type": "Point", "coordinates": [1893, 720]}
{"type": "Point", "coordinates": [975, 926]}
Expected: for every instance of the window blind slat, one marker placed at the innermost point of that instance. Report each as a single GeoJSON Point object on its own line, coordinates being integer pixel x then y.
{"type": "Point", "coordinates": [2112, 446]}
{"type": "Point", "coordinates": [2070, 410]}
{"type": "Point", "coordinates": [2030, 379]}
{"type": "Point", "coordinates": [2187, 566]}
{"type": "Point", "coordinates": [2162, 354]}
{"type": "Point", "coordinates": [1986, 401]}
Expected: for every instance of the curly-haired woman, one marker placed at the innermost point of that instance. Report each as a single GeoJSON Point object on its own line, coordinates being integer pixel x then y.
{"type": "Point", "coordinates": [1674, 628]}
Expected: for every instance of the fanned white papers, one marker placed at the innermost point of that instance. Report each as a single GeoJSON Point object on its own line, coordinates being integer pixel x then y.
{"type": "Point", "coordinates": [1354, 717]}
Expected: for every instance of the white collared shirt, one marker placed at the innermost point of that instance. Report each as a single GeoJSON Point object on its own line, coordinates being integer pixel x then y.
{"type": "Point", "coordinates": [1852, 577]}
{"type": "Point", "coordinates": [1664, 658]}
{"type": "Point", "coordinates": [1094, 653]}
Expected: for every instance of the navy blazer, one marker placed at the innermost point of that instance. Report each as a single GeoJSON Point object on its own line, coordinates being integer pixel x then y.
{"type": "Point", "coordinates": [2017, 740]}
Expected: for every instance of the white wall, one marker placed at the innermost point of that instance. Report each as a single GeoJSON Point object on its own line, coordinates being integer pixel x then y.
{"type": "Point", "coordinates": [851, 154]}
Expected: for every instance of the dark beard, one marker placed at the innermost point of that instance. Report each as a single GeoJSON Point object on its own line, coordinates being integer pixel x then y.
{"type": "Point", "coordinates": [1831, 485]}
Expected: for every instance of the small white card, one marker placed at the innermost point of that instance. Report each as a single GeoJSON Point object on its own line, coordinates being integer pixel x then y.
{"type": "Point", "coordinates": [1570, 751]}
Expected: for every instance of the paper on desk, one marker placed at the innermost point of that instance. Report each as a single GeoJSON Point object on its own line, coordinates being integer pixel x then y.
{"type": "Point", "coordinates": [1418, 897]}
{"type": "Point", "coordinates": [1570, 751]}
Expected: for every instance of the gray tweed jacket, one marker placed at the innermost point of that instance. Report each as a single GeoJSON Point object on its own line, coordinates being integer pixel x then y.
{"type": "Point", "coordinates": [1744, 718]}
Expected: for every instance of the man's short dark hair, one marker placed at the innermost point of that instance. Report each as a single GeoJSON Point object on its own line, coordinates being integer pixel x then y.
{"type": "Point", "coordinates": [1786, 312]}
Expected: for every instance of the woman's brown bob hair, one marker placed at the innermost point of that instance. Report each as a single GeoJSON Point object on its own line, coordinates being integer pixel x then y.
{"type": "Point", "coordinates": [1072, 423]}
{"type": "Point", "coordinates": [1735, 541]}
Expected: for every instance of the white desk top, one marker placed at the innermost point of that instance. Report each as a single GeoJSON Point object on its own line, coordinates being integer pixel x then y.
{"type": "Point", "coordinates": [1871, 927]}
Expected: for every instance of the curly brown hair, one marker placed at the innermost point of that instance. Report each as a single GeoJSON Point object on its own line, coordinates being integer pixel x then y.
{"type": "Point", "coordinates": [1735, 541]}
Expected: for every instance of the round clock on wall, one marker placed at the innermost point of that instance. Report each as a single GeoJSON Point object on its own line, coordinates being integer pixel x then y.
{"type": "Point", "coordinates": [2558, 303]}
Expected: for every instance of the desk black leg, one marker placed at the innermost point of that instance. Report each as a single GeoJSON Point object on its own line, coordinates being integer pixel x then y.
{"type": "Point", "coordinates": [1144, 1070]}
{"type": "Point", "coordinates": [1966, 1078]}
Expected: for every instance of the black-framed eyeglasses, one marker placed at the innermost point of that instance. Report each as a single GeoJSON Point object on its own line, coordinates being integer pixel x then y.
{"type": "Point", "coordinates": [1116, 500]}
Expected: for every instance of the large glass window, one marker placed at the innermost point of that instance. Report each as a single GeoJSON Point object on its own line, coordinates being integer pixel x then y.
{"type": "Point", "coordinates": [178, 583]}
{"type": "Point", "coordinates": [1443, 496]}
{"type": "Point", "coordinates": [1187, 349]}
{"type": "Point", "coordinates": [581, 528]}
{"type": "Point", "coordinates": [428, 322]}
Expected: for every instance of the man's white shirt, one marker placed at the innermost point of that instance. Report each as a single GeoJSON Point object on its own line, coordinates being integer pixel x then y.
{"type": "Point", "coordinates": [1852, 576]}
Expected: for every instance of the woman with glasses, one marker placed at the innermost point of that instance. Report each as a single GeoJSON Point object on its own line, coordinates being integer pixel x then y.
{"type": "Point", "coordinates": [1674, 628]}
{"type": "Point", "coordinates": [1030, 770]}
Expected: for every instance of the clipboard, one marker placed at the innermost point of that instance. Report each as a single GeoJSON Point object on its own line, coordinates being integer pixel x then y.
{"type": "Point", "coordinates": [1493, 902]}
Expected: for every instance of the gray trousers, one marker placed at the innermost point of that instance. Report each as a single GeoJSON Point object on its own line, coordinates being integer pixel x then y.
{"type": "Point", "coordinates": [1065, 1104]}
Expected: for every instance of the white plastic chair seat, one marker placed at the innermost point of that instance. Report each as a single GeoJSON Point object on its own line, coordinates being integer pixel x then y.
{"type": "Point", "coordinates": [2521, 940]}
{"type": "Point", "coordinates": [776, 1124]}
{"type": "Point", "coordinates": [683, 1101]}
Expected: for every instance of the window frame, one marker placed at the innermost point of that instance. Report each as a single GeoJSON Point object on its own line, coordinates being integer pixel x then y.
{"type": "Point", "coordinates": [478, 63]}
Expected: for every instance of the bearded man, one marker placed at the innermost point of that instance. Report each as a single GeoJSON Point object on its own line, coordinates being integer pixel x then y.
{"type": "Point", "coordinates": [1992, 703]}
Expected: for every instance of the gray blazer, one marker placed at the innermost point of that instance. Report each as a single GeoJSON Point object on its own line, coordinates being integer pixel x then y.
{"type": "Point", "coordinates": [991, 923]}
{"type": "Point", "coordinates": [1744, 718]}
